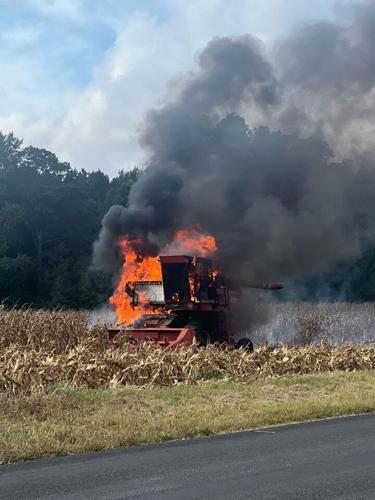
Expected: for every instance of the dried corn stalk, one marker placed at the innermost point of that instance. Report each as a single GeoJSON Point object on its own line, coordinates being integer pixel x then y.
{"type": "Point", "coordinates": [39, 349]}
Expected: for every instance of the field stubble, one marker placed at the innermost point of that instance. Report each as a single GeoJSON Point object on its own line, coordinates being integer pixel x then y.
{"type": "Point", "coordinates": [304, 323]}
{"type": "Point", "coordinates": [40, 350]}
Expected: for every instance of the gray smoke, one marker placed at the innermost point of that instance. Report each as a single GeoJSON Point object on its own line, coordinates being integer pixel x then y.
{"type": "Point", "coordinates": [328, 73]}
{"type": "Point", "coordinates": [282, 203]}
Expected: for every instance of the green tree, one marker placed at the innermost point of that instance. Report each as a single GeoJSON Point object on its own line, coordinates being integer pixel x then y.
{"type": "Point", "coordinates": [50, 215]}
{"type": "Point", "coordinates": [120, 186]}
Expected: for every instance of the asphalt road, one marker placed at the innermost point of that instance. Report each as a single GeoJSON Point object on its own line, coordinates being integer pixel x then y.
{"type": "Point", "coordinates": [328, 459]}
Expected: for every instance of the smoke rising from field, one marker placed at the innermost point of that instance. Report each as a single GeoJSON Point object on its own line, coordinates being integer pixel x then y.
{"type": "Point", "coordinates": [253, 150]}
{"type": "Point", "coordinates": [328, 73]}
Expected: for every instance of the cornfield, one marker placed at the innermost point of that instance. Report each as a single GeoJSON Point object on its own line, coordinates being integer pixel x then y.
{"type": "Point", "coordinates": [40, 350]}
{"type": "Point", "coordinates": [299, 323]}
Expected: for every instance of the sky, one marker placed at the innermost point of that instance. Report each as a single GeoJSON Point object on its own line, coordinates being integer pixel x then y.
{"type": "Point", "coordinates": [78, 76]}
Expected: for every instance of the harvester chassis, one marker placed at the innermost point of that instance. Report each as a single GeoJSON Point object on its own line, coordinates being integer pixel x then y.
{"type": "Point", "coordinates": [190, 305]}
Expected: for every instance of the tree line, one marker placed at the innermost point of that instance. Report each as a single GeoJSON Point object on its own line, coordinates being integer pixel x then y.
{"type": "Point", "coordinates": [50, 215]}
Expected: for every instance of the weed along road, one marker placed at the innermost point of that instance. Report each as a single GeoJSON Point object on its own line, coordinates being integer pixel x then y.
{"type": "Point", "coordinates": [327, 459]}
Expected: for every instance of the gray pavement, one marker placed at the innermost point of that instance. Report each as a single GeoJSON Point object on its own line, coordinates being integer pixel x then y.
{"type": "Point", "coordinates": [319, 460]}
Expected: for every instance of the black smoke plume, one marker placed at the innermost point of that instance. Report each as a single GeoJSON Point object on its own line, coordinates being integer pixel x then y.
{"type": "Point", "coordinates": [253, 149]}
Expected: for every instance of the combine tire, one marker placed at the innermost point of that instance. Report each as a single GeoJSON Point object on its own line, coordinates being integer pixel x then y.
{"type": "Point", "coordinates": [245, 344]}
{"type": "Point", "coordinates": [201, 334]}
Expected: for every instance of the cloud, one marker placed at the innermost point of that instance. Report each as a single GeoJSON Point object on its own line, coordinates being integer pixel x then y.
{"type": "Point", "coordinates": [97, 70]}
{"type": "Point", "coordinates": [20, 36]}
{"type": "Point", "coordinates": [71, 9]}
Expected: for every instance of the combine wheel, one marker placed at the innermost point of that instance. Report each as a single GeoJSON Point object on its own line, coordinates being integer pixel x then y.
{"type": "Point", "coordinates": [245, 344]}
{"type": "Point", "coordinates": [201, 334]}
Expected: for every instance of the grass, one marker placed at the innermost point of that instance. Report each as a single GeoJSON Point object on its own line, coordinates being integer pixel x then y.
{"type": "Point", "coordinates": [70, 420]}
{"type": "Point", "coordinates": [64, 389]}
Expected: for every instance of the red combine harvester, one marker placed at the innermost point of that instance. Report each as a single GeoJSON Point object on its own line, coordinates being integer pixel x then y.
{"type": "Point", "coordinates": [190, 304]}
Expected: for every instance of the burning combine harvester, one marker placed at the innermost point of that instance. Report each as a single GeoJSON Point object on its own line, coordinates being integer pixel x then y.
{"type": "Point", "coordinates": [176, 299]}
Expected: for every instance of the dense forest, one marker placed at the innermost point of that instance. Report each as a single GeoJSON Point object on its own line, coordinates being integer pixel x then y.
{"type": "Point", "coordinates": [50, 215]}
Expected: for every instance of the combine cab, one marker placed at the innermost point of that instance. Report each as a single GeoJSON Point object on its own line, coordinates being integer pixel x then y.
{"type": "Point", "coordinates": [191, 303]}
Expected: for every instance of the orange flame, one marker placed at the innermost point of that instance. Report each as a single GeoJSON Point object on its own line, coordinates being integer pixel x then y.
{"type": "Point", "coordinates": [189, 241]}
{"type": "Point", "coordinates": [192, 241]}
{"type": "Point", "coordinates": [135, 268]}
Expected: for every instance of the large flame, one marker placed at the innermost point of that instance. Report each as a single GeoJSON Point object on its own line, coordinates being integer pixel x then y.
{"type": "Point", "coordinates": [135, 268]}
{"type": "Point", "coordinates": [192, 241]}
{"type": "Point", "coordinates": [189, 241]}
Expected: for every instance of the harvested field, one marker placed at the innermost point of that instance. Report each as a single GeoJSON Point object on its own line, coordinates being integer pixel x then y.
{"type": "Point", "coordinates": [40, 350]}
{"type": "Point", "coordinates": [304, 323]}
